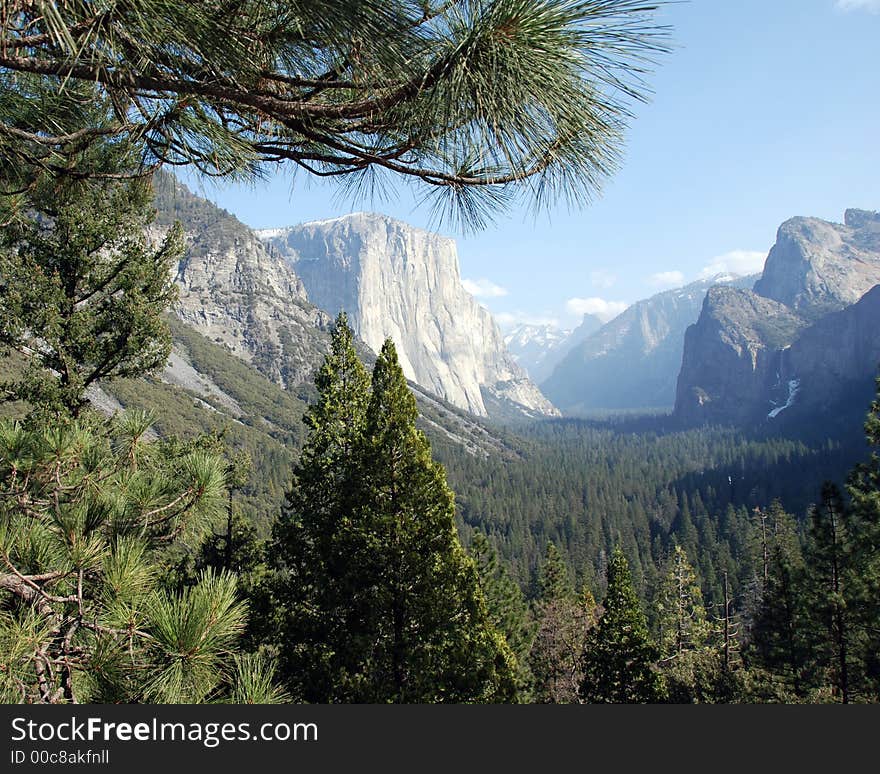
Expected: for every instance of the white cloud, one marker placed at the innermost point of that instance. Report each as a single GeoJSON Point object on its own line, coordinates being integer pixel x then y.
{"type": "Point", "coordinates": [667, 279]}
{"type": "Point", "coordinates": [740, 262]}
{"type": "Point", "coordinates": [871, 6]}
{"type": "Point", "coordinates": [483, 288]}
{"type": "Point", "coordinates": [602, 279]}
{"type": "Point", "coordinates": [604, 310]}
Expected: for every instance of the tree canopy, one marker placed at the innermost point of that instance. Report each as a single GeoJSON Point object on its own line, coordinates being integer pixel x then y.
{"type": "Point", "coordinates": [464, 97]}
{"type": "Point", "coordinates": [83, 293]}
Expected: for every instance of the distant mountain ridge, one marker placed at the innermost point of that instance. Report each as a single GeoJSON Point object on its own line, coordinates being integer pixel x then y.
{"type": "Point", "coordinates": [633, 361]}
{"type": "Point", "coordinates": [540, 348]}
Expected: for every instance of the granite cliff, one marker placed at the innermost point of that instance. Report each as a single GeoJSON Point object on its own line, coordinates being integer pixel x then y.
{"type": "Point", "coordinates": [805, 337]}
{"type": "Point", "coordinates": [397, 281]}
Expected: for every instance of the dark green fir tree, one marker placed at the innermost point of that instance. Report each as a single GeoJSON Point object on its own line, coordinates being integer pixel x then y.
{"type": "Point", "coordinates": [315, 586]}
{"type": "Point", "coordinates": [508, 609]}
{"type": "Point", "coordinates": [778, 647]}
{"type": "Point", "coordinates": [430, 635]}
{"type": "Point", "coordinates": [619, 657]}
{"type": "Point", "coordinates": [379, 601]}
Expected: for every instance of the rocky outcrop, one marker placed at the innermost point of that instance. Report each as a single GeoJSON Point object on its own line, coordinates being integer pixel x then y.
{"type": "Point", "coordinates": [397, 281]}
{"type": "Point", "coordinates": [235, 292]}
{"type": "Point", "coordinates": [732, 356]}
{"type": "Point", "coordinates": [632, 361]}
{"type": "Point", "coordinates": [817, 267]}
{"type": "Point", "coordinates": [802, 341]}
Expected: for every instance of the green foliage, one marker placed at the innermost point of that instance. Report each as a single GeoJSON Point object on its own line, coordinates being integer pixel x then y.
{"type": "Point", "coordinates": [863, 487]}
{"type": "Point", "coordinates": [681, 617]}
{"type": "Point", "coordinates": [464, 98]}
{"type": "Point", "coordinates": [508, 610]}
{"type": "Point", "coordinates": [82, 292]}
{"type": "Point", "coordinates": [778, 642]}
{"type": "Point", "coordinates": [564, 619]}
{"type": "Point", "coordinates": [619, 657]}
{"type": "Point", "coordinates": [88, 513]}
{"type": "Point", "coordinates": [378, 601]}
{"type": "Point", "coordinates": [829, 586]}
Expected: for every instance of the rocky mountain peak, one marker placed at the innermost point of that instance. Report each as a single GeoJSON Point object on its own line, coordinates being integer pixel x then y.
{"type": "Point", "coordinates": [861, 219]}
{"type": "Point", "coordinates": [817, 267]}
{"type": "Point", "coordinates": [235, 292]}
{"type": "Point", "coordinates": [394, 280]}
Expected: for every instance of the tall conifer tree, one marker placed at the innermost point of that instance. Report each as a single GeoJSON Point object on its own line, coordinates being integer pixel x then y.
{"type": "Point", "coordinates": [619, 656]}
{"type": "Point", "coordinates": [316, 587]}
{"type": "Point", "coordinates": [778, 633]}
{"type": "Point", "coordinates": [431, 639]}
{"type": "Point", "coordinates": [379, 601]}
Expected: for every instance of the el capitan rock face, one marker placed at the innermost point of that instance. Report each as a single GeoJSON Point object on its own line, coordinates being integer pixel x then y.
{"type": "Point", "coordinates": [397, 281]}
{"type": "Point", "coordinates": [805, 336]}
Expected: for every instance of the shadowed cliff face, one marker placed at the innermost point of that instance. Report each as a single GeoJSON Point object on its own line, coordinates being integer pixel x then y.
{"type": "Point", "coordinates": [397, 281]}
{"type": "Point", "coordinates": [731, 356]}
{"type": "Point", "coordinates": [805, 336]}
{"type": "Point", "coordinates": [633, 360]}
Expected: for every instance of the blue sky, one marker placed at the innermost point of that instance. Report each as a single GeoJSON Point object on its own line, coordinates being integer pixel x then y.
{"type": "Point", "coordinates": [764, 110]}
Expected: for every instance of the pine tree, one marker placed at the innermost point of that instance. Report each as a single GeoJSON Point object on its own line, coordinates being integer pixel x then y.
{"type": "Point", "coordinates": [82, 292]}
{"type": "Point", "coordinates": [88, 511]}
{"type": "Point", "coordinates": [463, 98]}
{"type": "Point", "coordinates": [619, 657]}
{"type": "Point", "coordinates": [696, 668]}
{"type": "Point", "coordinates": [563, 620]}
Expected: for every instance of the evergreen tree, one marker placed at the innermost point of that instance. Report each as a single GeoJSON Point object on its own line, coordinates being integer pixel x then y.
{"type": "Point", "coordinates": [508, 610]}
{"type": "Point", "coordinates": [619, 657]}
{"type": "Point", "coordinates": [462, 97]}
{"type": "Point", "coordinates": [681, 616]}
{"type": "Point", "coordinates": [430, 636]}
{"type": "Point", "coordinates": [82, 292]}
{"type": "Point", "coordinates": [777, 643]}
{"type": "Point", "coordinates": [380, 603]}
{"type": "Point", "coordinates": [315, 549]}
{"type": "Point", "coordinates": [829, 595]}
{"type": "Point", "coordinates": [563, 620]}
{"type": "Point", "coordinates": [863, 487]}
{"type": "Point", "coordinates": [690, 662]}
{"type": "Point", "coordinates": [88, 511]}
